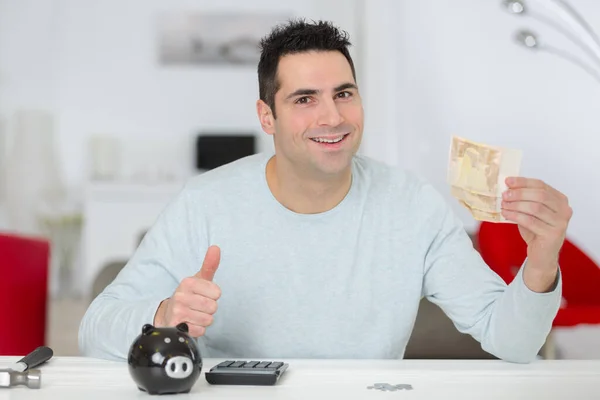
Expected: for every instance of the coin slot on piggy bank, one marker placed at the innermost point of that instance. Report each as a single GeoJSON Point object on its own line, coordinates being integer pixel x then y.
{"type": "Point", "coordinates": [164, 360]}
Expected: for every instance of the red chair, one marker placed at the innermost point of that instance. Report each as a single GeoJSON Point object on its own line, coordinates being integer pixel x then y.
{"type": "Point", "coordinates": [24, 264]}
{"type": "Point", "coordinates": [503, 249]}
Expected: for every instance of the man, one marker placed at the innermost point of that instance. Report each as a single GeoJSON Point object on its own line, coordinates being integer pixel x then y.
{"type": "Point", "coordinates": [316, 252]}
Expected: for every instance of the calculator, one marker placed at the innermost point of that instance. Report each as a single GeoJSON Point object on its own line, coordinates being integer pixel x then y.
{"type": "Point", "coordinates": [246, 373]}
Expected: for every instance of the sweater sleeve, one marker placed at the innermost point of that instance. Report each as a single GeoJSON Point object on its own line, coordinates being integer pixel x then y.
{"type": "Point", "coordinates": [165, 256]}
{"type": "Point", "coordinates": [510, 321]}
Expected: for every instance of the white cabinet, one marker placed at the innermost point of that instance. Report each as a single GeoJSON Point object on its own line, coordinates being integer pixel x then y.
{"type": "Point", "coordinates": [115, 216]}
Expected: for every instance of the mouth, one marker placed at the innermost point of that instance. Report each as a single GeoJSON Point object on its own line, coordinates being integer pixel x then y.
{"type": "Point", "coordinates": [331, 141]}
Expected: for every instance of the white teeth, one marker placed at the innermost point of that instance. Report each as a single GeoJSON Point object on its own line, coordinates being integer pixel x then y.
{"type": "Point", "coordinates": [322, 140]}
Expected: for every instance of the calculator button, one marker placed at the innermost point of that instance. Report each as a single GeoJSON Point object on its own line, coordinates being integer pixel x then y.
{"type": "Point", "coordinates": [224, 364]}
{"type": "Point", "coordinates": [275, 364]}
{"type": "Point", "coordinates": [237, 364]}
{"type": "Point", "coordinates": [263, 364]}
{"type": "Point", "coordinates": [251, 364]}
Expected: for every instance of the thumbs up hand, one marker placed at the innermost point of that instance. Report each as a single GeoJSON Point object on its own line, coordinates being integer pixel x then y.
{"type": "Point", "coordinates": [195, 299]}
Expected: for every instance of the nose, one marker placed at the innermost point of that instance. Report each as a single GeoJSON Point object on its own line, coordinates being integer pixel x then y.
{"type": "Point", "coordinates": [329, 115]}
{"type": "Point", "coordinates": [179, 367]}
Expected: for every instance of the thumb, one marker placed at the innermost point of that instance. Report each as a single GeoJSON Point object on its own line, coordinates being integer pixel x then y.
{"type": "Point", "coordinates": [210, 264]}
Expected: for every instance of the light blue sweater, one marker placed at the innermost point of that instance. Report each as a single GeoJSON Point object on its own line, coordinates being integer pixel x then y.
{"type": "Point", "coordinates": [341, 284]}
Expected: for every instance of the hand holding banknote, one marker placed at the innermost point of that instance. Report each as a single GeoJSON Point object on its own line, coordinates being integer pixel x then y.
{"type": "Point", "coordinates": [485, 180]}
{"type": "Point", "coordinates": [542, 213]}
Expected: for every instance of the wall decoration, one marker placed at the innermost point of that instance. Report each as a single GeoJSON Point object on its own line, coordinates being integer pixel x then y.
{"type": "Point", "coordinates": [196, 38]}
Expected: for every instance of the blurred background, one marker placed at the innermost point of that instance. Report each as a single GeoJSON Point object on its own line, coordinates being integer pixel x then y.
{"type": "Point", "coordinates": [107, 107]}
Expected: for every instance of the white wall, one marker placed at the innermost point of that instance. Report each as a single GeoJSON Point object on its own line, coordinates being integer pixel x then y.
{"type": "Point", "coordinates": [93, 64]}
{"type": "Point", "coordinates": [456, 71]}
{"type": "Point", "coordinates": [437, 68]}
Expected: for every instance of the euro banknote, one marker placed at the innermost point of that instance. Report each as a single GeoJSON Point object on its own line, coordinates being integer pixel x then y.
{"type": "Point", "coordinates": [477, 174]}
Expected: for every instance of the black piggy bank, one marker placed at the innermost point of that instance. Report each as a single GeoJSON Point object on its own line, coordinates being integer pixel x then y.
{"type": "Point", "coordinates": [164, 360]}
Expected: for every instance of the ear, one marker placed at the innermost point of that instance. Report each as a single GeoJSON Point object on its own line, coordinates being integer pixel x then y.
{"type": "Point", "coordinates": [146, 329]}
{"type": "Point", "coordinates": [265, 116]}
{"type": "Point", "coordinates": [182, 327]}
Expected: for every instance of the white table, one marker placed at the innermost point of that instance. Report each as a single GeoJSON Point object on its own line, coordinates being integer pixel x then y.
{"type": "Point", "coordinates": [88, 379]}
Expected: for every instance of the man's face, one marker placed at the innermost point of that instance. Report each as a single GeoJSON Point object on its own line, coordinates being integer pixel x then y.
{"type": "Point", "coordinates": [319, 112]}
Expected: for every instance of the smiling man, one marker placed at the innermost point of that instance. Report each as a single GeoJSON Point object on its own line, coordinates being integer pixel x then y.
{"type": "Point", "coordinates": [317, 252]}
{"type": "Point", "coordinates": [316, 119]}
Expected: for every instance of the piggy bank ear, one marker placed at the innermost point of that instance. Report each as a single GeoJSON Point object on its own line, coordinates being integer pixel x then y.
{"type": "Point", "coordinates": [147, 328]}
{"type": "Point", "coordinates": [182, 327]}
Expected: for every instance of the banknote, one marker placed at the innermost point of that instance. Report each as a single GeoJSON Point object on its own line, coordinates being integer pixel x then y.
{"type": "Point", "coordinates": [477, 174]}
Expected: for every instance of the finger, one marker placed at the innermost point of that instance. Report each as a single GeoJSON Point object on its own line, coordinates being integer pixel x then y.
{"type": "Point", "coordinates": [210, 264]}
{"type": "Point", "coordinates": [181, 312]}
{"type": "Point", "coordinates": [199, 319]}
{"type": "Point", "coordinates": [196, 331]}
{"type": "Point", "coordinates": [534, 209]}
{"type": "Point", "coordinates": [514, 182]}
{"type": "Point", "coordinates": [202, 304]}
{"type": "Point", "coordinates": [207, 289]}
{"type": "Point", "coordinates": [195, 286]}
{"type": "Point", "coordinates": [530, 222]}
{"type": "Point", "coordinates": [532, 195]}
{"type": "Point", "coordinates": [562, 198]}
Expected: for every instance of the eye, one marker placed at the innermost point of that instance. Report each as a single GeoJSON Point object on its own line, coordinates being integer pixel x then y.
{"type": "Point", "coordinates": [344, 95]}
{"type": "Point", "coordinates": [181, 339]}
{"type": "Point", "coordinates": [303, 100]}
{"type": "Point", "coordinates": [167, 340]}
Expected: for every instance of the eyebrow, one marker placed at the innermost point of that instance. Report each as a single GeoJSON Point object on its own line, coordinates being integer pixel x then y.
{"type": "Point", "coordinates": [307, 92]}
{"type": "Point", "coordinates": [345, 86]}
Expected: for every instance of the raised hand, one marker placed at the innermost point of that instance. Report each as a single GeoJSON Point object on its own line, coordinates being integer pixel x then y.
{"type": "Point", "coordinates": [195, 299]}
{"type": "Point", "coordinates": [542, 214]}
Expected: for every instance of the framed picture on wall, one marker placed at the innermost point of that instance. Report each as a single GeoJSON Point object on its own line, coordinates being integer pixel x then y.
{"type": "Point", "coordinates": [205, 38]}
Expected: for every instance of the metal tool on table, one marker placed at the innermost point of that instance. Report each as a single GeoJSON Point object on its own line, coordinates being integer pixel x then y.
{"type": "Point", "coordinates": [23, 373]}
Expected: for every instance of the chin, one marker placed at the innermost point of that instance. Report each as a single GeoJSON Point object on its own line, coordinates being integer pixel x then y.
{"type": "Point", "coordinates": [335, 167]}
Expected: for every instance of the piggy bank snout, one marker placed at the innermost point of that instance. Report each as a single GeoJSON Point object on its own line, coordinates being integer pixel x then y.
{"type": "Point", "coordinates": [179, 367]}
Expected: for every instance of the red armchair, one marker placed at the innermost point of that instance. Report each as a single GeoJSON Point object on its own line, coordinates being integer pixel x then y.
{"type": "Point", "coordinates": [24, 264]}
{"type": "Point", "coordinates": [503, 249]}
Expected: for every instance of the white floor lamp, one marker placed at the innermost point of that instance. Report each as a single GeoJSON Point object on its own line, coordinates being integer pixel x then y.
{"type": "Point", "coordinates": [564, 18]}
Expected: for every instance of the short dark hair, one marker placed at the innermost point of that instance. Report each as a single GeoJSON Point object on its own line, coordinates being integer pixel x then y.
{"type": "Point", "coordinates": [296, 36]}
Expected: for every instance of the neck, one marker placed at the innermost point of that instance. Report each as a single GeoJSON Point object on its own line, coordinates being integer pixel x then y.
{"type": "Point", "coordinates": [304, 194]}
